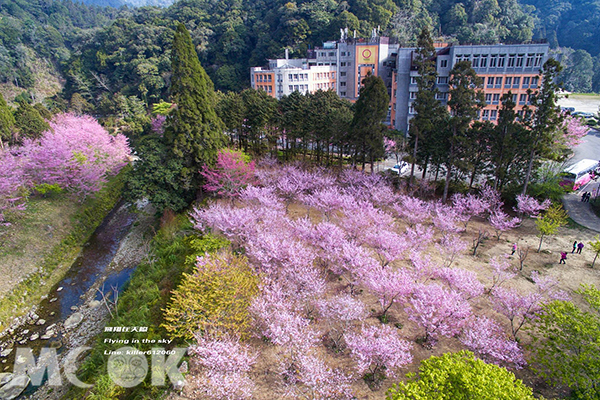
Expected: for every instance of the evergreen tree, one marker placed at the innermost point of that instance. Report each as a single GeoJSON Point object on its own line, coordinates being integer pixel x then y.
{"type": "Point", "coordinates": [428, 109]}
{"type": "Point", "coordinates": [194, 132]}
{"type": "Point", "coordinates": [508, 140]}
{"type": "Point", "coordinates": [29, 121]}
{"type": "Point", "coordinates": [546, 118]}
{"type": "Point", "coordinates": [367, 125]}
{"type": "Point", "coordinates": [7, 122]}
{"type": "Point", "coordinates": [465, 100]}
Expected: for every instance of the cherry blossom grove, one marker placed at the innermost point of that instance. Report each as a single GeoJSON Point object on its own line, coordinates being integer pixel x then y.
{"type": "Point", "coordinates": [345, 263]}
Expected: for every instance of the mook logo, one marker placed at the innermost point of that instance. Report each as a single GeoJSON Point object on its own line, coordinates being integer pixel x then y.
{"type": "Point", "coordinates": [126, 366]}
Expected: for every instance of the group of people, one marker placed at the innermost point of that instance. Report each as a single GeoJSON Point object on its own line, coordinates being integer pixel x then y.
{"type": "Point", "coordinates": [577, 247]}
{"type": "Point", "coordinates": [585, 197]}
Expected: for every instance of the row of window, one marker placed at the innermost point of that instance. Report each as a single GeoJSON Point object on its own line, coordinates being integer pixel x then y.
{"type": "Point", "coordinates": [297, 77]}
{"type": "Point", "coordinates": [324, 75]}
{"type": "Point", "coordinates": [494, 98]}
{"type": "Point", "coordinates": [326, 54]}
{"type": "Point", "coordinates": [264, 77]}
{"type": "Point", "coordinates": [266, 88]}
{"type": "Point", "coordinates": [502, 60]}
{"type": "Point", "coordinates": [513, 82]}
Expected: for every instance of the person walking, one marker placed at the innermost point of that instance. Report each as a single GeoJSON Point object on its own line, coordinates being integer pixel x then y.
{"type": "Point", "coordinates": [574, 247]}
{"type": "Point", "coordinates": [583, 197]}
{"type": "Point", "coordinates": [579, 247]}
{"type": "Point", "coordinates": [514, 249]}
{"type": "Point", "coordinates": [563, 257]}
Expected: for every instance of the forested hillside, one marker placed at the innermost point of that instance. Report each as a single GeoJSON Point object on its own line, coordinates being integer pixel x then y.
{"type": "Point", "coordinates": [102, 51]}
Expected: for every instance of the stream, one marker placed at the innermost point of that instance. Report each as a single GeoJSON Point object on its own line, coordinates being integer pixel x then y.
{"type": "Point", "coordinates": [55, 322]}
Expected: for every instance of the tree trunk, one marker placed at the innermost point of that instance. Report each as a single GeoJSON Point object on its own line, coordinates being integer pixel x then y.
{"type": "Point", "coordinates": [414, 160]}
{"type": "Point", "coordinates": [594, 262]}
{"type": "Point", "coordinates": [528, 175]}
{"type": "Point", "coordinates": [447, 184]}
{"type": "Point", "coordinates": [540, 246]}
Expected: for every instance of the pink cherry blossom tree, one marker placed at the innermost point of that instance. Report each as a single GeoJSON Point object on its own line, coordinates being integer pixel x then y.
{"type": "Point", "coordinates": [419, 237]}
{"type": "Point", "coordinates": [461, 280]}
{"type": "Point", "coordinates": [378, 350]}
{"type": "Point", "coordinates": [468, 206]}
{"type": "Point", "coordinates": [340, 312]}
{"type": "Point", "coordinates": [501, 272]}
{"type": "Point", "coordinates": [224, 363]}
{"type": "Point", "coordinates": [520, 308]}
{"type": "Point", "coordinates": [527, 205]}
{"type": "Point", "coordinates": [450, 247]}
{"type": "Point", "coordinates": [76, 154]}
{"type": "Point", "coordinates": [574, 130]}
{"type": "Point", "coordinates": [390, 286]}
{"type": "Point", "coordinates": [309, 377]}
{"type": "Point", "coordinates": [501, 222]}
{"type": "Point", "coordinates": [440, 311]}
{"type": "Point", "coordinates": [412, 210]}
{"type": "Point", "coordinates": [231, 173]}
{"type": "Point", "coordinates": [486, 338]}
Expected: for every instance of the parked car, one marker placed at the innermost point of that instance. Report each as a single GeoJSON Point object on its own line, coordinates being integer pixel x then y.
{"type": "Point", "coordinates": [401, 168]}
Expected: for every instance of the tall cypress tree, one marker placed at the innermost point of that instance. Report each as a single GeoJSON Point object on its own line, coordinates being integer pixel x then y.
{"type": "Point", "coordinates": [429, 111]}
{"type": "Point", "coordinates": [367, 125]}
{"type": "Point", "coordinates": [194, 131]}
{"type": "Point", "coordinates": [546, 118]}
{"type": "Point", "coordinates": [7, 122]}
{"type": "Point", "coordinates": [465, 100]}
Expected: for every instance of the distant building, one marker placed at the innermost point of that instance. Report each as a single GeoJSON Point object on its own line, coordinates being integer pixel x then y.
{"type": "Point", "coordinates": [341, 66]}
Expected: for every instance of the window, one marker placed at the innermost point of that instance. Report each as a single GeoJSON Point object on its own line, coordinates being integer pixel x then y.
{"type": "Point", "coordinates": [279, 77]}
{"type": "Point", "coordinates": [395, 92]}
{"type": "Point", "coordinates": [443, 63]}
{"type": "Point", "coordinates": [526, 82]}
{"type": "Point", "coordinates": [486, 115]}
{"type": "Point", "coordinates": [514, 98]}
{"type": "Point", "coordinates": [511, 61]}
{"type": "Point", "coordinates": [441, 95]}
{"type": "Point", "coordinates": [498, 82]}
{"type": "Point", "coordinates": [333, 75]}
{"type": "Point", "coordinates": [483, 62]}
{"type": "Point", "coordinates": [501, 60]}
{"type": "Point", "coordinates": [342, 93]}
{"type": "Point", "coordinates": [496, 98]}
{"type": "Point", "coordinates": [411, 109]}
{"type": "Point", "coordinates": [343, 64]}
{"type": "Point", "coordinates": [493, 61]}
{"type": "Point", "coordinates": [413, 80]}
{"type": "Point", "coordinates": [508, 82]}
{"type": "Point", "coordinates": [291, 88]}
{"type": "Point", "coordinates": [442, 80]}
{"type": "Point", "coordinates": [490, 82]}
{"type": "Point", "coordinates": [343, 73]}
{"type": "Point", "coordinates": [522, 99]}
{"type": "Point", "coordinates": [475, 63]}
{"type": "Point", "coordinates": [520, 61]}
{"type": "Point", "coordinates": [516, 82]}
{"type": "Point", "coordinates": [534, 82]}
{"type": "Point", "coordinates": [413, 95]}
{"type": "Point", "coordinates": [269, 78]}
{"type": "Point", "coordinates": [331, 54]}
{"type": "Point", "coordinates": [270, 89]}
{"type": "Point", "coordinates": [343, 53]}
{"type": "Point", "coordinates": [290, 77]}
{"type": "Point", "coordinates": [342, 83]}
{"type": "Point", "coordinates": [296, 88]}
{"type": "Point", "coordinates": [488, 98]}
{"type": "Point", "coordinates": [529, 62]}
{"type": "Point", "coordinates": [538, 60]}
{"type": "Point", "coordinates": [493, 115]}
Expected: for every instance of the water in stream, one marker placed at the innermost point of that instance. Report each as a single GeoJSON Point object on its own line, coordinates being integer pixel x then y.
{"type": "Point", "coordinates": [66, 297]}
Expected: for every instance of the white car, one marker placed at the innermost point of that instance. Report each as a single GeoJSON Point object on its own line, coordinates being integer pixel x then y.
{"type": "Point", "coordinates": [401, 168]}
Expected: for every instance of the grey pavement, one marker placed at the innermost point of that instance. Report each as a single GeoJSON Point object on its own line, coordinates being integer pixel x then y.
{"type": "Point", "coordinates": [581, 212]}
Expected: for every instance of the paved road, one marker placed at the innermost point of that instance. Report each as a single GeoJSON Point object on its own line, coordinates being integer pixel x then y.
{"type": "Point", "coordinates": [589, 148]}
{"type": "Point", "coordinates": [582, 212]}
